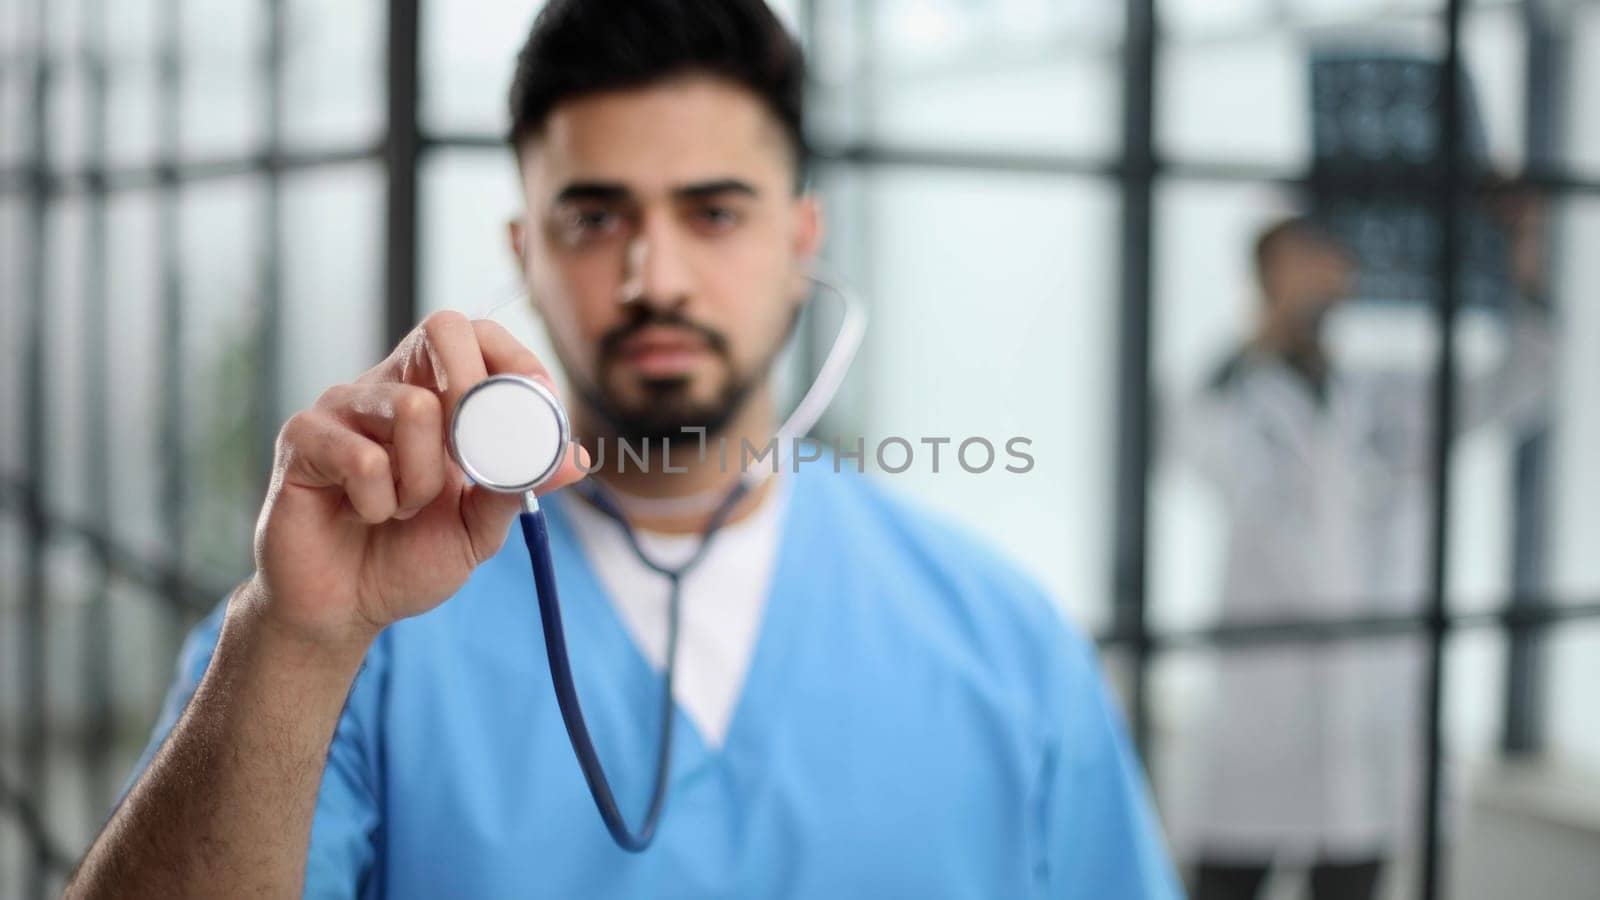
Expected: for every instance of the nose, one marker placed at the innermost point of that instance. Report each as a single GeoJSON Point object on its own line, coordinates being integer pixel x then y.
{"type": "Point", "coordinates": [656, 271]}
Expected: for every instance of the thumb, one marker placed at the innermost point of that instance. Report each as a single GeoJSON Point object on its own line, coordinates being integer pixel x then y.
{"type": "Point", "coordinates": [487, 514]}
{"type": "Point", "coordinates": [574, 468]}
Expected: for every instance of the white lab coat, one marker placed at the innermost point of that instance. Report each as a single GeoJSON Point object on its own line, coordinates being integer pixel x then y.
{"type": "Point", "coordinates": [1313, 750]}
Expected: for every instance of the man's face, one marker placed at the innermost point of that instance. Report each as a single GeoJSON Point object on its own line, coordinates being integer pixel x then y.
{"type": "Point", "coordinates": [1305, 277]}
{"type": "Point", "coordinates": [665, 249]}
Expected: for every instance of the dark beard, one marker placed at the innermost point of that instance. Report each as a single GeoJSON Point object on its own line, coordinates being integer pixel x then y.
{"type": "Point", "coordinates": [667, 408]}
{"type": "Point", "coordinates": [668, 411]}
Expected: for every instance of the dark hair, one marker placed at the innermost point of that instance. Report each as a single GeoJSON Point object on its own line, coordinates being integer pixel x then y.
{"type": "Point", "coordinates": [580, 47]}
{"type": "Point", "coordinates": [1273, 235]}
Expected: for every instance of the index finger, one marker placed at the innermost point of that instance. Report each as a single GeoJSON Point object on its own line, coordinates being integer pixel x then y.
{"type": "Point", "coordinates": [503, 354]}
{"type": "Point", "coordinates": [448, 354]}
{"type": "Point", "coordinates": [440, 354]}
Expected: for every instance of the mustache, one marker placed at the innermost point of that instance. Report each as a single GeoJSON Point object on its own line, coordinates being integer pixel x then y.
{"type": "Point", "coordinates": [643, 317]}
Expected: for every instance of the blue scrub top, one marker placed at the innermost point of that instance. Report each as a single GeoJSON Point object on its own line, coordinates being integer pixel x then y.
{"type": "Point", "coordinates": [917, 721]}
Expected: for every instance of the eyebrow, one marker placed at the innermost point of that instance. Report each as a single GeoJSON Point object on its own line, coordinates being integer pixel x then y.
{"type": "Point", "coordinates": [712, 188]}
{"type": "Point", "coordinates": [607, 191]}
{"type": "Point", "coordinates": [592, 190]}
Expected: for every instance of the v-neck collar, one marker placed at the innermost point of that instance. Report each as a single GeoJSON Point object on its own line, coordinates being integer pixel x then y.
{"type": "Point", "coordinates": [776, 634]}
{"type": "Point", "coordinates": [1289, 400]}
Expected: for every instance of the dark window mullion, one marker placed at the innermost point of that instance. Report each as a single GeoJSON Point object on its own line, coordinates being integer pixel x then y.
{"type": "Point", "coordinates": [95, 648]}
{"type": "Point", "coordinates": [1523, 728]}
{"type": "Point", "coordinates": [1133, 373]}
{"type": "Point", "coordinates": [36, 587]}
{"type": "Point", "coordinates": [171, 345]}
{"type": "Point", "coordinates": [403, 149]}
{"type": "Point", "coordinates": [1547, 175]}
{"type": "Point", "coordinates": [270, 348]}
{"type": "Point", "coordinates": [1447, 208]}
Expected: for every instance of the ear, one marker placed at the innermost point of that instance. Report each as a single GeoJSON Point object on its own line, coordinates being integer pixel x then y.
{"type": "Point", "coordinates": [809, 229]}
{"type": "Point", "coordinates": [516, 239]}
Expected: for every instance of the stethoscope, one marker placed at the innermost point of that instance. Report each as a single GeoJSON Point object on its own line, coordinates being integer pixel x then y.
{"type": "Point", "coordinates": [510, 434]}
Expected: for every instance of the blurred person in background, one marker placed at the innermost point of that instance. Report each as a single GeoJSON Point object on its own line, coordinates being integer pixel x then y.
{"type": "Point", "coordinates": [1311, 755]}
{"type": "Point", "coordinates": [873, 705]}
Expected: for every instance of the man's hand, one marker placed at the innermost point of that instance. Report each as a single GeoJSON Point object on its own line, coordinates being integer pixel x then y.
{"type": "Point", "coordinates": [367, 519]}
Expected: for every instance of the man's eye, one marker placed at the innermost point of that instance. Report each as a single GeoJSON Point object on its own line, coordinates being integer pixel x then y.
{"type": "Point", "coordinates": [717, 217]}
{"type": "Point", "coordinates": [587, 225]}
{"type": "Point", "coordinates": [594, 220]}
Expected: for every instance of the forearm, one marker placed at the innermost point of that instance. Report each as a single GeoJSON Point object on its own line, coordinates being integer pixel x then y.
{"type": "Point", "coordinates": [227, 803]}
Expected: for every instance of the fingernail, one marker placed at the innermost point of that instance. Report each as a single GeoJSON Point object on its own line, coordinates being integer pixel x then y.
{"type": "Point", "coordinates": [583, 456]}
{"type": "Point", "coordinates": [405, 514]}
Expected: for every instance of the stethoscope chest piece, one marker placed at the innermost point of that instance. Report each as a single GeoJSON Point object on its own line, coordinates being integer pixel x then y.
{"type": "Point", "coordinates": [509, 434]}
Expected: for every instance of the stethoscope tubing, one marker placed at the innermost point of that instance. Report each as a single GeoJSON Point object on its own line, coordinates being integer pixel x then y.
{"type": "Point", "coordinates": [536, 533]}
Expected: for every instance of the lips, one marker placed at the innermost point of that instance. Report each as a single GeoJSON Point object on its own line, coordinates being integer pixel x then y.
{"type": "Point", "coordinates": [656, 352]}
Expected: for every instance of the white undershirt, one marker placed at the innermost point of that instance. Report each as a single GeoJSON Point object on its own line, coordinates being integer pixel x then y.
{"type": "Point", "coordinates": [723, 598]}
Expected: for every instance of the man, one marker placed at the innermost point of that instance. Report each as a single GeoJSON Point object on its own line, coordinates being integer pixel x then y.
{"type": "Point", "coordinates": [1310, 757]}
{"type": "Point", "coordinates": [870, 704]}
